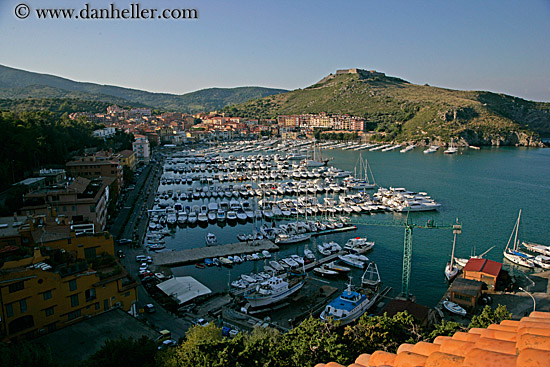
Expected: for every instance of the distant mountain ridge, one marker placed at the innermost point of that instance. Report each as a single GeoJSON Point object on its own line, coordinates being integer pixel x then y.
{"type": "Point", "coordinates": [401, 111]}
{"type": "Point", "coordinates": [16, 83]}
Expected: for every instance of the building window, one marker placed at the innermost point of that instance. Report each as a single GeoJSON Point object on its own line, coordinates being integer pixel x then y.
{"type": "Point", "coordinates": [72, 285]}
{"type": "Point", "coordinates": [92, 208]}
{"type": "Point", "coordinates": [74, 300]}
{"type": "Point", "coordinates": [90, 294]}
{"type": "Point", "coordinates": [47, 295]}
{"type": "Point", "coordinates": [90, 253]}
{"type": "Point", "coordinates": [105, 304]}
{"type": "Point", "coordinates": [73, 208]}
{"type": "Point", "coordinates": [49, 311]}
{"type": "Point", "coordinates": [73, 315]}
{"type": "Point", "coordinates": [97, 306]}
{"type": "Point", "coordinates": [9, 310]}
{"type": "Point", "coordinates": [14, 287]}
{"type": "Point", "coordinates": [23, 305]}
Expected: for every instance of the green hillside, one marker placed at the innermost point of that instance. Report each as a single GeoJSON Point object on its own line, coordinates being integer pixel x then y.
{"type": "Point", "coordinates": [401, 111]}
{"type": "Point", "coordinates": [15, 83]}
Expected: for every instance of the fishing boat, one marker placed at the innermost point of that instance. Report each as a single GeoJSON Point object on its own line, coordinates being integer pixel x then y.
{"type": "Point", "coordinates": [512, 253]}
{"type": "Point", "coordinates": [348, 307]}
{"type": "Point", "coordinates": [371, 276]}
{"type": "Point", "coordinates": [273, 290]}
{"type": "Point", "coordinates": [211, 239]}
{"type": "Point", "coordinates": [454, 308]}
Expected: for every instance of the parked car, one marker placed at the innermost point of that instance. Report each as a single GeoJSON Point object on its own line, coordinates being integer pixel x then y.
{"type": "Point", "coordinates": [167, 344]}
{"type": "Point", "coordinates": [143, 266]}
{"type": "Point", "coordinates": [124, 241]}
{"type": "Point", "coordinates": [141, 258]}
{"type": "Point", "coordinates": [149, 308]}
{"type": "Point", "coordinates": [120, 254]}
{"type": "Point", "coordinates": [202, 322]}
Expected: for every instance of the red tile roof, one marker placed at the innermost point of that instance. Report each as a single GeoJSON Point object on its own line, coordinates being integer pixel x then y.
{"type": "Point", "coordinates": [483, 265]}
{"type": "Point", "coordinates": [524, 343]}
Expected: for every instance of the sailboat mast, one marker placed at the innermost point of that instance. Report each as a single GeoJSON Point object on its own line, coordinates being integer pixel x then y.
{"type": "Point", "coordinates": [517, 230]}
{"type": "Point", "coordinates": [453, 252]}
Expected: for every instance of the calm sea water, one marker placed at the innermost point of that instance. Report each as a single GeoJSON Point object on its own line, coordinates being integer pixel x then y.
{"type": "Point", "coordinates": [484, 189]}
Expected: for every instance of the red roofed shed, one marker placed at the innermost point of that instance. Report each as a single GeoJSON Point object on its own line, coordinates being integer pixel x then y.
{"type": "Point", "coordinates": [483, 270]}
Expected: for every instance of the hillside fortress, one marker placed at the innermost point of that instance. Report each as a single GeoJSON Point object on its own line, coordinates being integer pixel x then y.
{"type": "Point", "coordinates": [361, 72]}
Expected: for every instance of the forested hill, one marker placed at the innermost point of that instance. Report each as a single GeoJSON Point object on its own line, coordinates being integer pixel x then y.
{"type": "Point", "coordinates": [15, 83]}
{"type": "Point", "coordinates": [402, 111]}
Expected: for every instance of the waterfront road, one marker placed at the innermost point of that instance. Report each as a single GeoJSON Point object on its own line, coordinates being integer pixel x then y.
{"type": "Point", "coordinates": [131, 223]}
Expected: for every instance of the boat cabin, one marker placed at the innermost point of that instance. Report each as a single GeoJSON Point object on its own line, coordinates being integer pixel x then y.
{"type": "Point", "coordinates": [466, 292]}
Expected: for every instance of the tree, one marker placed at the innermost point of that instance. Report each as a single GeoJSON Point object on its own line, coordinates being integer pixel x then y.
{"type": "Point", "coordinates": [382, 333]}
{"type": "Point", "coordinates": [445, 328]}
{"type": "Point", "coordinates": [201, 347]}
{"type": "Point", "coordinates": [124, 352]}
{"type": "Point", "coordinates": [489, 316]}
{"type": "Point", "coordinates": [313, 340]}
{"type": "Point", "coordinates": [24, 354]}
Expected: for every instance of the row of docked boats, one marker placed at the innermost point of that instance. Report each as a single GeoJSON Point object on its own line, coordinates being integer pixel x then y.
{"type": "Point", "coordinates": [234, 259]}
{"type": "Point", "coordinates": [514, 253]}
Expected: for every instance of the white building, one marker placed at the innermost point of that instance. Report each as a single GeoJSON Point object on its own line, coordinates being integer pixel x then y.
{"type": "Point", "coordinates": [108, 132]}
{"type": "Point", "coordinates": [141, 148]}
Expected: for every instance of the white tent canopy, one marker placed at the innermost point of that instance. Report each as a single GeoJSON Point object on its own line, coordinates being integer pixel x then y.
{"type": "Point", "coordinates": [183, 289]}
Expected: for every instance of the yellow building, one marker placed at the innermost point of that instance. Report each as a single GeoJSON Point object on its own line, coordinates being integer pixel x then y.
{"type": "Point", "coordinates": [127, 158]}
{"type": "Point", "coordinates": [59, 283]}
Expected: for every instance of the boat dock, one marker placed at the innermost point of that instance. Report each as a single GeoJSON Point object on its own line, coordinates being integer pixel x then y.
{"type": "Point", "coordinates": [335, 230]}
{"type": "Point", "coordinates": [194, 255]}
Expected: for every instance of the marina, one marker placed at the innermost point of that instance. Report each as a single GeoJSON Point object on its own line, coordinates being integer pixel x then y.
{"type": "Point", "coordinates": [297, 202]}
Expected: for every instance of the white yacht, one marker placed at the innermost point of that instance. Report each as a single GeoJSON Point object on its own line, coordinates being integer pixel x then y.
{"type": "Point", "coordinates": [273, 290]}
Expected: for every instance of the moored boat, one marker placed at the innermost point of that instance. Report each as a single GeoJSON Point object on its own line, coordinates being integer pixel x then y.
{"type": "Point", "coordinates": [371, 276]}
{"type": "Point", "coordinates": [349, 306]}
{"type": "Point", "coordinates": [454, 308]}
{"type": "Point", "coordinates": [273, 290]}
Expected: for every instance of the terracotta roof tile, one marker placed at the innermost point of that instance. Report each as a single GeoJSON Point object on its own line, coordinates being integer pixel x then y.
{"type": "Point", "coordinates": [425, 348]}
{"type": "Point", "coordinates": [379, 358]}
{"type": "Point", "coordinates": [524, 343]}
{"type": "Point", "coordinates": [533, 358]}
{"type": "Point", "coordinates": [479, 357]}
{"type": "Point", "coordinates": [405, 347]}
{"type": "Point", "coordinates": [363, 359]}
{"type": "Point", "coordinates": [410, 359]}
{"type": "Point", "coordinates": [456, 347]}
{"type": "Point", "coordinates": [440, 359]}
{"type": "Point", "coordinates": [483, 265]}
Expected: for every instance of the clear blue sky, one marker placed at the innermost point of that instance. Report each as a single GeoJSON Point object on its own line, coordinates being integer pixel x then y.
{"type": "Point", "coordinates": [501, 46]}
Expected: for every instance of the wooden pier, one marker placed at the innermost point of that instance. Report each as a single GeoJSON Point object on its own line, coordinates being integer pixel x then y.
{"type": "Point", "coordinates": [194, 255]}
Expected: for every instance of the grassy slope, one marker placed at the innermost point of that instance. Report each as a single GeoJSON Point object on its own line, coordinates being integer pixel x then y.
{"type": "Point", "coordinates": [421, 111]}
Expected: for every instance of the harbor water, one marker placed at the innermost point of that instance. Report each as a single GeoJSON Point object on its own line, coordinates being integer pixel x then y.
{"type": "Point", "coordinates": [484, 189]}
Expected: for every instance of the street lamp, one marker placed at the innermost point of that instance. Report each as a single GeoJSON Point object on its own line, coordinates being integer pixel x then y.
{"type": "Point", "coordinates": [530, 295]}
